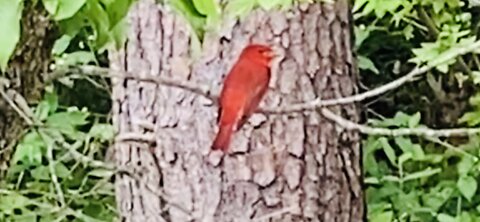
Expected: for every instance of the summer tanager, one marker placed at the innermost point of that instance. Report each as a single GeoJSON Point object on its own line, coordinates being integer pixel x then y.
{"type": "Point", "coordinates": [242, 91]}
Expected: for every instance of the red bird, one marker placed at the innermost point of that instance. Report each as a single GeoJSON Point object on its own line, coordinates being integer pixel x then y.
{"type": "Point", "coordinates": [243, 89]}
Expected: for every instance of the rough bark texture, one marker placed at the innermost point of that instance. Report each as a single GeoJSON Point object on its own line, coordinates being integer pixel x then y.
{"type": "Point", "coordinates": [297, 167]}
{"type": "Point", "coordinates": [25, 70]}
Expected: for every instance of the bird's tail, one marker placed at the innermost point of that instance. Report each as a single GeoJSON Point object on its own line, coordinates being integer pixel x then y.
{"type": "Point", "coordinates": [222, 140]}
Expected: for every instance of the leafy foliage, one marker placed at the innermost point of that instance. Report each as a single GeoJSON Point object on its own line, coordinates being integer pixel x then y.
{"type": "Point", "coordinates": [415, 180]}
{"type": "Point", "coordinates": [206, 14]}
{"type": "Point", "coordinates": [52, 176]}
{"type": "Point", "coordinates": [408, 178]}
{"type": "Point", "coordinates": [97, 23]}
{"type": "Point", "coordinates": [57, 171]}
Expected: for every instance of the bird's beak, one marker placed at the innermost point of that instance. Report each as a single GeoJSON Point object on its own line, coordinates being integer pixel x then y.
{"type": "Point", "coordinates": [271, 54]}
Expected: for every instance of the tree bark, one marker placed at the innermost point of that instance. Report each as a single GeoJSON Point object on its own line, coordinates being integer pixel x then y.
{"type": "Point", "coordinates": [25, 75]}
{"type": "Point", "coordinates": [295, 167]}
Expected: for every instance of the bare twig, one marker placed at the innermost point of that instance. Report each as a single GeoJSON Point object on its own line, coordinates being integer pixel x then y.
{"type": "Point", "coordinates": [451, 147]}
{"type": "Point", "coordinates": [14, 106]}
{"type": "Point", "coordinates": [89, 70]}
{"type": "Point", "coordinates": [317, 103]}
{"type": "Point", "coordinates": [311, 105]}
{"type": "Point", "coordinates": [53, 175]}
{"type": "Point", "coordinates": [424, 132]}
{"type": "Point", "coordinates": [135, 137]}
{"type": "Point", "coordinates": [124, 170]}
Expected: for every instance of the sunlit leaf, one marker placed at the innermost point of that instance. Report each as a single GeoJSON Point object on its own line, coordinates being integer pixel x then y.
{"type": "Point", "coordinates": [467, 185]}
{"type": "Point", "coordinates": [367, 64]}
{"type": "Point", "coordinates": [10, 15]}
{"type": "Point", "coordinates": [61, 44]}
{"type": "Point", "coordinates": [239, 7]}
{"type": "Point", "coordinates": [445, 218]}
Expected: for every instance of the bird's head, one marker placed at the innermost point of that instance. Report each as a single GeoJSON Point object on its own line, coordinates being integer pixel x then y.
{"type": "Point", "coordinates": [257, 53]}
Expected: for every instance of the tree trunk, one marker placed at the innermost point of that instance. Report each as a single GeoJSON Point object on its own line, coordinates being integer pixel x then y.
{"type": "Point", "coordinates": [24, 73]}
{"type": "Point", "coordinates": [295, 167]}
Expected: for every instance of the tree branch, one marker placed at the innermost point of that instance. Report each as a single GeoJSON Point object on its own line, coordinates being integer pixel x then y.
{"type": "Point", "coordinates": [90, 70]}
{"type": "Point", "coordinates": [311, 105]}
{"type": "Point", "coordinates": [205, 91]}
{"type": "Point", "coordinates": [127, 171]}
{"type": "Point", "coordinates": [23, 114]}
{"type": "Point", "coordinates": [424, 132]}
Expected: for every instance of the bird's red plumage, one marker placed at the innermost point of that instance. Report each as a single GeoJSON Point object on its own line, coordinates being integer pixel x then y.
{"type": "Point", "coordinates": [242, 91]}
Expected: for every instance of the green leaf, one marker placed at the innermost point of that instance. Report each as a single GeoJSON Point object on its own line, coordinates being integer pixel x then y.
{"type": "Point", "coordinates": [74, 118]}
{"type": "Point", "coordinates": [104, 132]}
{"type": "Point", "coordinates": [466, 217]}
{"type": "Point", "coordinates": [10, 15]}
{"type": "Point", "coordinates": [367, 64]}
{"type": "Point", "coordinates": [444, 67]}
{"type": "Point", "coordinates": [465, 165]}
{"type": "Point", "coordinates": [63, 9]}
{"type": "Point", "coordinates": [100, 21]}
{"type": "Point", "coordinates": [403, 158]}
{"type": "Point", "coordinates": [361, 34]}
{"type": "Point", "coordinates": [66, 123]}
{"type": "Point", "coordinates": [117, 10]}
{"type": "Point", "coordinates": [41, 173]}
{"type": "Point", "coordinates": [471, 118]}
{"type": "Point", "coordinates": [386, 216]}
{"type": "Point", "coordinates": [72, 26]}
{"type": "Point", "coordinates": [438, 196]}
{"type": "Point", "coordinates": [61, 44]}
{"type": "Point", "coordinates": [239, 8]}
{"type": "Point", "coordinates": [12, 201]}
{"type": "Point", "coordinates": [417, 152]}
{"type": "Point", "coordinates": [414, 120]}
{"type": "Point", "coordinates": [269, 4]}
{"type": "Point", "coordinates": [389, 151]}
{"type": "Point", "coordinates": [51, 135]}
{"type": "Point", "coordinates": [371, 180]}
{"type": "Point", "coordinates": [408, 32]}
{"type": "Point", "coordinates": [29, 150]}
{"type": "Point", "coordinates": [206, 7]}
{"type": "Point", "coordinates": [437, 6]}
{"type": "Point", "coordinates": [28, 154]}
{"type": "Point", "coordinates": [358, 4]}
{"type": "Point", "coordinates": [61, 170]}
{"type": "Point", "coordinates": [26, 216]}
{"type": "Point", "coordinates": [467, 186]}
{"type": "Point", "coordinates": [405, 144]}
{"type": "Point", "coordinates": [51, 6]}
{"type": "Point", "coordinates": [422, 174]}
{"type": "Point", "coordinates": [52, 99]}
{"type": "Point", "coordinates": [475, 75]}
{"type": "Point", "coordinates": [401, 118]}
{"type": "Point", "coordinates": [445, 218]}
{"type": "Point", "coordinates": [42, 110]}
{"type": "Point", "coordinates": [119, 33]}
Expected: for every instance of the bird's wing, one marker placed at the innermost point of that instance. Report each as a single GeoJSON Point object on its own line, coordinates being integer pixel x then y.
{"type": "Point", "coordinates": [256, 96]}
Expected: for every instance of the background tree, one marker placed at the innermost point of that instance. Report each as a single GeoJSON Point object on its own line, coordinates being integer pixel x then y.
{"type": "Point", "coordinates": [24, 73]}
